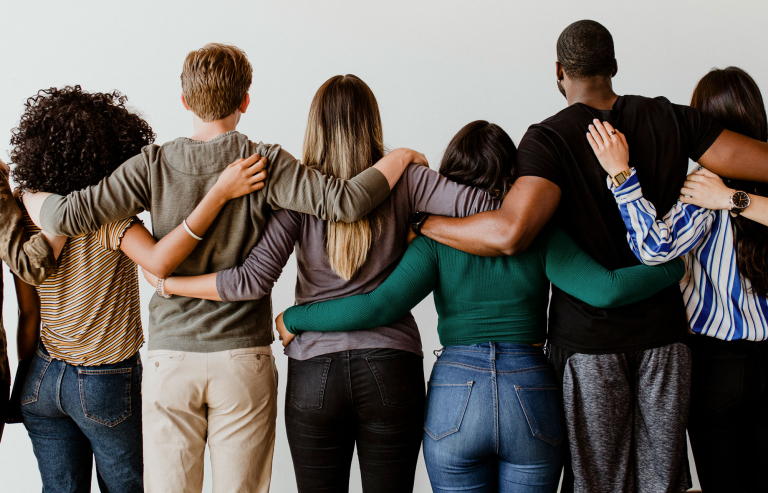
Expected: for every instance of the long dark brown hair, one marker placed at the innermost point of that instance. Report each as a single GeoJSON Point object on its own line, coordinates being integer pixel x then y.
{"type": "Point", "coordinates": [732, 97]}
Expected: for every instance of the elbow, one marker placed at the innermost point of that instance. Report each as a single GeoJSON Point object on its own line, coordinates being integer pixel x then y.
{"type": "Point", "coordinates": [510, 241]}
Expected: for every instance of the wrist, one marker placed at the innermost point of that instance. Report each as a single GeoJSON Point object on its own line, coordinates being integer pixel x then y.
{"type": "Point", "coordinates": [217, 196]}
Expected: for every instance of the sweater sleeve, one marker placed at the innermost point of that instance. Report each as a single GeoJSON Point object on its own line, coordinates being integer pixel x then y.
{"type": "Point", "coordinates": [571, 269]}
{"type": "Point", "coordinates": [656, 241]}
{"type": "Point", "coordinates": [431, 192]}
{"type": "Point", "coordinates": [29, 257]}
{"type": "Point", "coordinates": [123, 194]}
{"type": "Point", "coordinates": [412, 280]}
{"type": "Point", "coordinates": [300, 188]}
{"type": "Point", "coordinates": [258, 274]}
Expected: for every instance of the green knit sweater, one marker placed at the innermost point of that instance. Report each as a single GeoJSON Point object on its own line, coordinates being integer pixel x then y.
{"type": "Point", "coordinates": [482, 299]}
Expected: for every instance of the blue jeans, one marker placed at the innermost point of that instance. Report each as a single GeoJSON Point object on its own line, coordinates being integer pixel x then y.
{"type": "Point", "coordinates": [76, 413]}
{"type": "Point", "coordinates": [494, 420]}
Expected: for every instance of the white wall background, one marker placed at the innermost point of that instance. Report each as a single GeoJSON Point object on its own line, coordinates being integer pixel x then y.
{"type": "Point", "coordinates": [434, 66]}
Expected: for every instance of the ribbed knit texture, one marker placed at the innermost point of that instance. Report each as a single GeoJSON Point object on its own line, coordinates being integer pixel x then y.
{"type": "Point", "coordinates": [483, 299]}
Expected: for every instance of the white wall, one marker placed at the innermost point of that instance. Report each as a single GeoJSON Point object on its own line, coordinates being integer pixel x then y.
{"type": "Point", "coordinates": [434, 66]}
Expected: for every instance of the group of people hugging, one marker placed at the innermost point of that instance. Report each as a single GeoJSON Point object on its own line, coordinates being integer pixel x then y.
{"type": "Point", "coordinates": [596, 298]}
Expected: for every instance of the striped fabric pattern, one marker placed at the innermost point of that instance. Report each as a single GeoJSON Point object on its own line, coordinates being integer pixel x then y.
{"type": "Point", "coordinates": [90, 306]}
{"type": "Point", "coordinates": [719, 302]}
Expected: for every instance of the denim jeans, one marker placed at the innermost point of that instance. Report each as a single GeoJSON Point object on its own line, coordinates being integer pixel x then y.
{"type": "Point", "coordinates": [728, 420]}
{"type": "Point", "coordinates": [76, 413]}
{"type": "Point", "coordinates": [372, 398]}
{"type": "Point", "coordinates": [494, 420]}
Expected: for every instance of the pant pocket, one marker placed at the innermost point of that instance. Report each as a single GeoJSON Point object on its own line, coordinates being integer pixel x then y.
{"type": "Point", "coordinates": [31, 388]}
{"type": "Point", "coordinates": [446, 406]}
{"type": "Point", "coordinates": [105, 394]}
{"type": "Point", "coordinates": [307, 380]}
{"type": "Point", "coordinates": [400, 378]}
{"type": "Point", "coordinates": [543, 410]}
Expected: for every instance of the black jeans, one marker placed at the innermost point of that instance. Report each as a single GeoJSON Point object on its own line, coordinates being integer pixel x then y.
{"type": "Point", "coordinates": [372, 398]}
{"type": "Point", "coordinates": [728, 421]}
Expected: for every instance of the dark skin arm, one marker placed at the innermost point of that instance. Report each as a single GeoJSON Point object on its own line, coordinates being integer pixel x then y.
{"type": "Point", "coordinates": [738, 157]}
{"type": "Point", "coordinates": [28, 332]}
{"type": "Point", "coordinates": [532, 201]}
{"type": "Point", "coordinates": [528, 206]}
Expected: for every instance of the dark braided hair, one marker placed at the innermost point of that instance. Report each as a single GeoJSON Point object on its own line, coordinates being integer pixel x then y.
{"type": "Point", "coordinates": [732, 97]}
{"type": "Point", "coordinates": [69, 139]}
{"type": "Point", "coordinates": [585, 50]}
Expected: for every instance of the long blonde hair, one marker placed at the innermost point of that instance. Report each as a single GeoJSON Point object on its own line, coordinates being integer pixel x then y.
{"type": "Point", "coordinates": [344, 137]}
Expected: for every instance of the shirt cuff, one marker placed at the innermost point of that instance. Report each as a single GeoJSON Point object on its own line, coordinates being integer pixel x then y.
{"type": "Point", "coordinates": [628, 191]}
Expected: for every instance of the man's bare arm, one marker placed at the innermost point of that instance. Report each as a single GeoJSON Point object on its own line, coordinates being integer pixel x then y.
{"type": "Point", "coordinates": [738, 157]}
{"type": "Point", "coordinates": [529, 205]}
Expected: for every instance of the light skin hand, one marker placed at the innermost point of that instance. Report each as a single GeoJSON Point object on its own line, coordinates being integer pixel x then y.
{"type": "Point", "coordinates": [705, 189]}
{"type": "Point", "coordinates": [610, 147]}
{"type": "Point", "coordinates": [282, 332]}
{"type": "Point", "coordinates": [202, 287]}
{"type": "Point", "coordinates": [393, 165]}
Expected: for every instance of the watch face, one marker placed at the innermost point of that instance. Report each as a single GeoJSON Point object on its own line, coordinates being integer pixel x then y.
{"type": "Point", "coordinates": [740, 200]}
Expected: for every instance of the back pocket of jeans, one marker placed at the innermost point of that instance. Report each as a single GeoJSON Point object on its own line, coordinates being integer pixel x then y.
{"type": "Point", "coordinates": [106, 394]}
{"type": "Point", "coordinates": [400, 378]}
{"type": "Point", "coordinates": [307, 380]}
{"type": "Point", "coordinates": [544, 412]}
{"type": "Point", "coordinates": [446, 406]}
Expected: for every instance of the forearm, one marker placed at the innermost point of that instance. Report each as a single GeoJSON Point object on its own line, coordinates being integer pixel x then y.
{"type": "Point", "coordinates": [202, 287]}
{"type": "Point", "coordinates": [412, 280]}
{"type": "Point", "coordinates": [738, 157]}
{"type": "Point", "coordinates": [757, 210]}
{"type": "Point", "coordinates": [528, 206]}
{"type": "Point", "coordinates": [28, 329]}
{"type": "Point", "coordinates": [123, 194]}
{"type": "Point", "coordinates": [578, 274]}
{"type": "Point", "coordinates": [655, 241]}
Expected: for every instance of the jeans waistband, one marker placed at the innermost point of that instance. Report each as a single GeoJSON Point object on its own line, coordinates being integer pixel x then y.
{"type": "Point", "coordinates": [43, 353]}
{"type": "Point", "coordinates": [493, 348]}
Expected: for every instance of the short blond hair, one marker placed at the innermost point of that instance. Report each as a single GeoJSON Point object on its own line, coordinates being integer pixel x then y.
{"type": "Point", "coordinates": [215, 80]}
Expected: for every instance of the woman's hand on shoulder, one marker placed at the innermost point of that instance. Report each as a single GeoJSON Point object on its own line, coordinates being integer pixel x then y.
{"type": "Point", "coordinates": [242, 177]}
{"type": "Point", "coordinates": [282, 332]}
{"type": "Point", "coordinates": [610, 147]}
{"type": "Point", "coordinates": [705, 189]}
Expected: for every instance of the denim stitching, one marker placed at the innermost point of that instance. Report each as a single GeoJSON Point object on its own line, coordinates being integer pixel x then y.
{"type": "Point", "coordinates": [58, 387]}
{"type": "Point", "coordinates": [39, 381]}
{"type": "Point", "coordinates": [126, 415]}
{"type": "Point", "coordinates": [322, 387]}
{"type": "Point", "coordinates": [525, 411]}
{"type": "Point", "coordinates": [469, 386]}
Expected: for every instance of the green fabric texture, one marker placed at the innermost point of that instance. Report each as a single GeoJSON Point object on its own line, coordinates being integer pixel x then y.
{"type": "Point", "coordinates": [482, 299]}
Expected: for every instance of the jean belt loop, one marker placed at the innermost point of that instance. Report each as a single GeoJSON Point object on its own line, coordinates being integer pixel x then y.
{"type": "Point", "coordinates": [493, 351]}
{"type": "Point", "coordinates": [438, 352]}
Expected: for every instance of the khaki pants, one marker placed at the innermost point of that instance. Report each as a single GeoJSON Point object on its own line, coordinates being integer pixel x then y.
{"type": "Point", "coordinates": [226, 397]}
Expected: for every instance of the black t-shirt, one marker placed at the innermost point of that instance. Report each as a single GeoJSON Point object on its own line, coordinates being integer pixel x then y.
{"type": "Point", "coordinates": [661, 137]}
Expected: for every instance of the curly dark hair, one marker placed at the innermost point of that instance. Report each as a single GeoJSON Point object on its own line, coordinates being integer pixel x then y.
{"type": "Point", "coordinates": [69, 139]}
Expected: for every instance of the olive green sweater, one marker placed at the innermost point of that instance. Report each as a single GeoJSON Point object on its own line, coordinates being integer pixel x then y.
{"type": "Point", "coordinates": [169, 181]}
{"type": "Point", "coordinates": [487, 299]}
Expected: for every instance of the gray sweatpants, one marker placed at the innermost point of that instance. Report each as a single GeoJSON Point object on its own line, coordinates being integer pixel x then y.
{"type": "Point", "coordinates": [626, 416]}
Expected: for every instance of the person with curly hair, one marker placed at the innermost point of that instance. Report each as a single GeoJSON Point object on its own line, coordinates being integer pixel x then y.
{"type": "Point", "coordinates": [82, 396]}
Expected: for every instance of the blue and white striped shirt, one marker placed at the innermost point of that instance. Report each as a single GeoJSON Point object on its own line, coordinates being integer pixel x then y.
{"type": "Point", "coordinates": [719, 302]}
